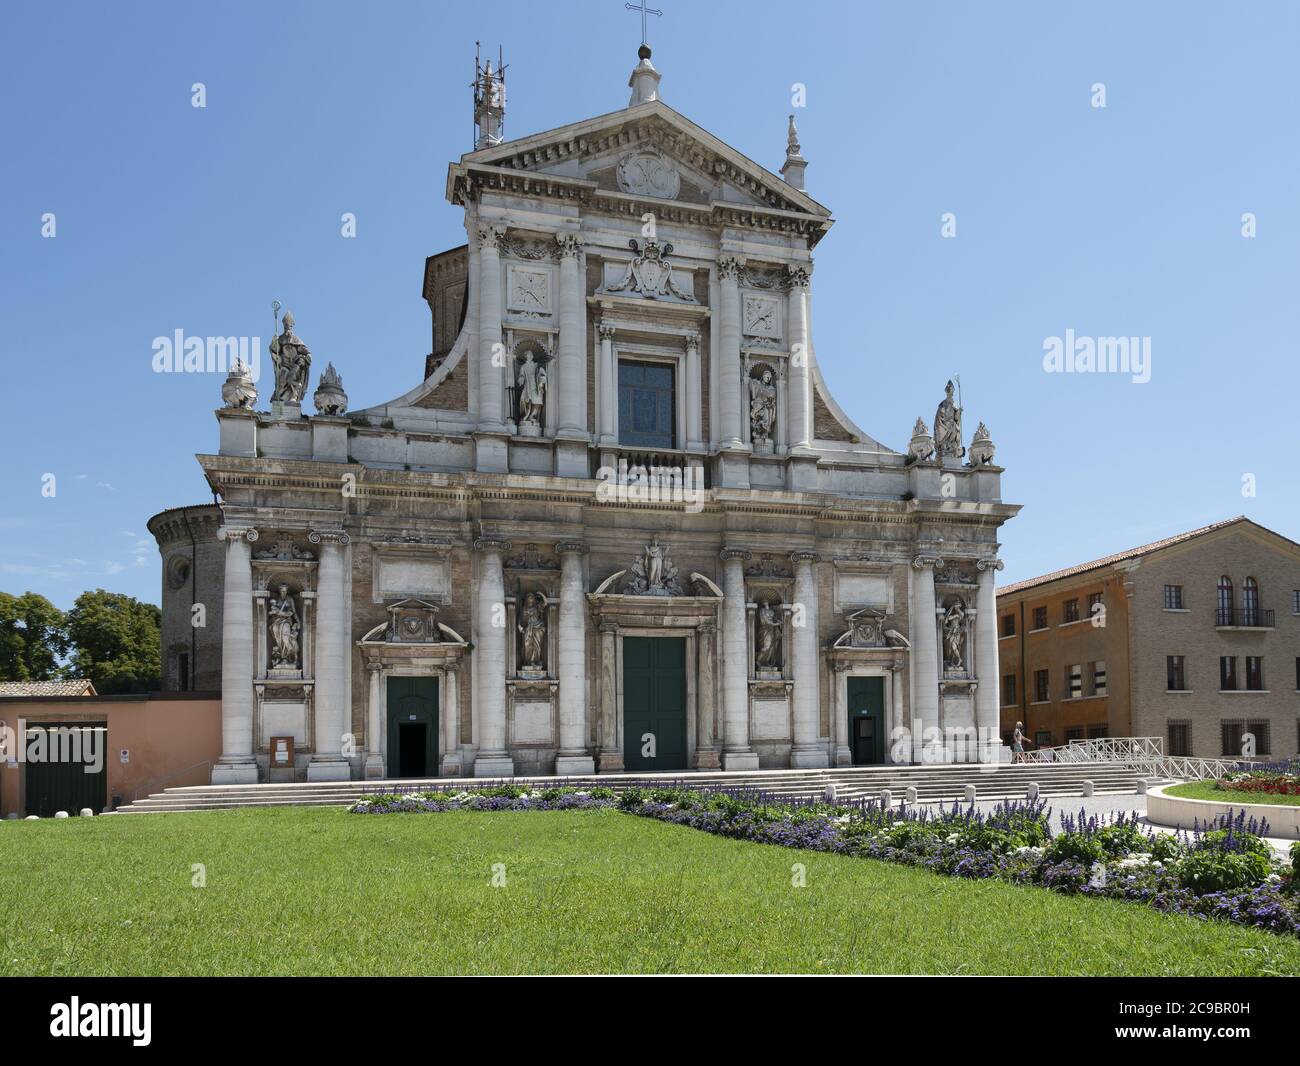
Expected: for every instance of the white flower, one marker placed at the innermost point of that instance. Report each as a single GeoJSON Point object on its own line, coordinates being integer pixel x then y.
{"type": "Point", "coordinates": [1027, 850]}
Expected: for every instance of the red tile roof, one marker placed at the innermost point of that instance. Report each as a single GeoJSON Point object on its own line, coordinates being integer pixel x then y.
{"type": "Point", "coordinates": [77, 687]}
{"type": "Point", "coordinates": [1118, 557]}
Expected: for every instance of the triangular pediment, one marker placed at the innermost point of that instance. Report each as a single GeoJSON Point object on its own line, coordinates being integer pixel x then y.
{"type": "Point", "coordinates": [650, 151]}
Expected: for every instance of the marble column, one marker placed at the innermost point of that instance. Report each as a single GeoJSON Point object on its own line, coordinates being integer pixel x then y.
{"type": "Point", "coordinates": [450, 709]}
{"type": "Point", "coordinates": [572, 358]}
{"type": "Point", "coordinates": [611, 752]}
{"type": "Point", "coordinates": [694, 393]}
{"type": "Point", "coordinates": [470, 358]}
{"type": "Point", "coordinates": [493, 760]}
{"type": "Point", "coordinates": [728, 354]}
{"type": "Point", "coordinates": [490, 349]}
{"type": "Point", "coordinates": [333, 649]}
{"type": "Point", "coordinates": [925, 662]}
{"type": "Point", "coordinates": [988, 688]}
{"type": "Point", "coordinates": [808, 751]}
{"type": "Point", "coordinates": [706, 700]}
{"type": "Point", "coordinates": [237, 765]}
{"type": "Point", "coordinates": [736, 753]}
{"type": "Point", "coordinates": [800, 398]}
{"type": "Point", "coordinates": [608, 387]}
{"type": "Point", "coordinates": [574, 756]}
{"type": "Point", "coordinates": [896, 710]}
{"type": "Point", "coordinates": [375, 722]}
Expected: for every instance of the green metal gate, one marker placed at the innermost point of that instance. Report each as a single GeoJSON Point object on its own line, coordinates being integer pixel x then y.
{"type": "Point", "coordinates": [62, 779]}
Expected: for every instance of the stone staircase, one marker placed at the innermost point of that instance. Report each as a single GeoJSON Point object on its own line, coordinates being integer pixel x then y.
{"type": "Point", "coordinates": [932, 783]}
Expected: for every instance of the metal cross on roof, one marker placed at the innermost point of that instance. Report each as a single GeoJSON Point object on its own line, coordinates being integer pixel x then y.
{"type": "Point", "coordinates": [644, 12]}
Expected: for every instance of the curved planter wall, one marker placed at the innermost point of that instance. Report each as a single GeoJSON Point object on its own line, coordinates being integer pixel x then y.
{"type": "Point", "coordinates": [1180, 813]}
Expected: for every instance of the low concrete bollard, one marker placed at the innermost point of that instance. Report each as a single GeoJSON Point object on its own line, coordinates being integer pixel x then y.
{"type": "Point", "coordinates": [886, 799]}
{"type": "Point", "coordinates": [32, 818]}
{"type": "Point", "coordinates": [86, 812]}
{"type": "Point", "coordinates": [830, 794]}
{"type": "Point", "coordinates": [60, 814]}
{"type": "Point", "coordinates": [1142, 785]}
{"type": "Point", "coordinates": [1031, 793]}
{"type": "Point", "coordinates": [1089, 788]}
{"type": "Point", "coordinates": [911, 793]}
{"type": "Point", "coordinates": [970, 793]}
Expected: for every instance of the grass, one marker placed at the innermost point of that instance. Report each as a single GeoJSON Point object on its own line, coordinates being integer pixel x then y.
{"type": "Point", "coordinates": [1205, 790]}
{"type": "Point", "coordinates": [320, 891]}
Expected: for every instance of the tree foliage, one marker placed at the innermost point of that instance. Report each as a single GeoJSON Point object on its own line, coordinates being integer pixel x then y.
{"type": "Point", "coordinates": [116, 642]}
{"type": "Point", "coordinates": [33, 640]}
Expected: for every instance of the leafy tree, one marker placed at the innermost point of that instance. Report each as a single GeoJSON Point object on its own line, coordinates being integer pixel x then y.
{"type": "Point", "coordinates": [116, 642]}
{"type": "Point", "coordinates": [32, 638]}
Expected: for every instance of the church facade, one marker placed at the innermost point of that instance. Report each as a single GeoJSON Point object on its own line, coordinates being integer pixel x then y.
{"type": "Point", "coordinates": [621, 524]}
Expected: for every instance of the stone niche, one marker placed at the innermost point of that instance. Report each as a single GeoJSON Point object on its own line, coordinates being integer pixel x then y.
{"type": "Point", "coordinates": [532, 578]}
{"type": "Point", "coordinates": [769, 590]}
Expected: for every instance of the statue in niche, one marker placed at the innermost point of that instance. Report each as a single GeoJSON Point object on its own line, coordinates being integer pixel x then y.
{"type": "Point", "coordinates": [947, 427]}
{"type": "Point", "coordinates": [532, 629]}
{"type": "Point", "coordinates": [532, 391]}
{"type": "Point", "coordinates": [292, 361]}
{"type": "Point", "coordinates": [954, 636]}
{"type": "Point", "coordinates": [762, 407]}
{"type": "Point", "coordinates": [767, 650]}
{"type": "Point", "coordinates": [285, 628]}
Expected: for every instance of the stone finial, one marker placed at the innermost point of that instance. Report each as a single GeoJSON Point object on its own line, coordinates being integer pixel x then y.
{"type": "Point", "coordinates": [238, 390]}
{"type": "Point", "coordinates": [330, 399]}
{"type": "Point", "coordinates": [981, 448]}
{"type": "Point", "coordinates": [795, 163]}
{"type": "Point", "coordinates": [644, 81]}
{"type": "Point", "coordinates": [921, 446]}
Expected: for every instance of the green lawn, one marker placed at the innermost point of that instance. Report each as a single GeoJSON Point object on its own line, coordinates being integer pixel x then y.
{"type": "Point", "coordinates": [320, 891]}
{"type": "Point", "coordinates": [1205, 790]}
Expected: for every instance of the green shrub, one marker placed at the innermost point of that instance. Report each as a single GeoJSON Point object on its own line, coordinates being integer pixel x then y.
{"type": "Point", "coordinates": [1214, 870]}
{"type": "Point", "coordinates": [1121, 839]}
{"type": "Point", "coordinates": [1082, 848]}
{"type": "Point", "coordinates": [1165, 846]}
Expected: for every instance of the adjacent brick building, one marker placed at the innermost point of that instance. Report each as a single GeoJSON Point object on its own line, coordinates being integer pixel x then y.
{"type": "Point", "coordinates": [1194, 639]}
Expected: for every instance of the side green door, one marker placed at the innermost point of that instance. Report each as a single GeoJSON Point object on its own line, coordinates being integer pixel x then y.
{"type": "Point", "coordinates": [654, 703]}
{"type": "Point", "coordinates": [867, 720]}
{"type": "Point", "coordinates": [412, 726]}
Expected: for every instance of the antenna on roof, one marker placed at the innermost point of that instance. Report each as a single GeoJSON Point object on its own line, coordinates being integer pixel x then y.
{"type": "Point", "coordinates": [489, 99]}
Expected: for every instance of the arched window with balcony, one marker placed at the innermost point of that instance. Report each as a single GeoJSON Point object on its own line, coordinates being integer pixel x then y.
{"type": "Point", "coordinates": [1223, 609]}
{"type": "Point", "coordinates": [1249, 602]}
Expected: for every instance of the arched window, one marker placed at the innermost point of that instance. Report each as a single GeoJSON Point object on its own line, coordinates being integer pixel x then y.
{"type": "Point", "coordinates": [1224, 608]}
{"type": "Point", "coordinates": [1249, 602]}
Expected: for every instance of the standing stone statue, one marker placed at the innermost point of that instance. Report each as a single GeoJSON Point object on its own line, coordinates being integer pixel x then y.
{"type": "Point", "coordinates": [767, 652]}
{"type": "Point", "coordinates": [532, 391]}
{"type": "Point", "coordinates": [762, 407]}
{"type": "Point", "coordinates": [954, 636]}
{"type": "Point", "coordinates": [292, 361]}
{"type": "Point", "coordinates": [285, 628]}
{"type": "Point", "coordinates": [947, 427]}
{"type": "Point", "coordinates": [532, 627]}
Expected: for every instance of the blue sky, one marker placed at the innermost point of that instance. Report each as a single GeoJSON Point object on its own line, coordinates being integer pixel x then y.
{"type": "Point", "coordinates": [1122, 221]}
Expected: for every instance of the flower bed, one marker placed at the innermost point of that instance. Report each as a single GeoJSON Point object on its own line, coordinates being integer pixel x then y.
{"type": "Point", "coordinates": [1226, 872]}
{"type": "Point", "coordinates": [1279, 779]}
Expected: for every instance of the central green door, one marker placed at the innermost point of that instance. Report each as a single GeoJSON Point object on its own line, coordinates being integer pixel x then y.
{"type": "Point", "coordinates": [412, 726]}
{"type": "Point", "coordinates": [867, 719]}
{"type": "Point", "coordinates": [654, 703]}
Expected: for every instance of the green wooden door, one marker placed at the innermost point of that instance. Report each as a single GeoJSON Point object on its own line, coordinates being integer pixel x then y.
{"type": "Point", "coordinates": [65, 778]}
{"type": "Point", "coordinates": [867, 720]}
{"type": "Point", "coordinates": [654, 703]}
{"type": "Point", "coordinates": [412, 726]}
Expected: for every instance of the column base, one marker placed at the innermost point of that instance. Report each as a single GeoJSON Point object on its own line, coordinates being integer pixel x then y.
{"type": "Point", "coordinates": [374, 766]}
{"type": "Point", "coordinates": [574, 765]}
{"type": "Point", "coordinates": [610, 762]}
{"type": "Point", "coordinates": [733, 469]}
{"type": "Point", "coordinates": [235, 772]}
{"type": "Point", "coordinates": [740, 760]}
{"type": "Point", "coordinates": [491, 451]}
{"type": "Point", "coordinates": [452, 766]}
{"type": "Point", "coordinates": [809, 759]}
{"type": "Point", "coordinates": [707, 759]}
{"type": "Point", "coordinates": [494, 766]}
{"type": "Point", "coordinates": [801, 471]}
{"type": "Point", "coordinates": [843, 757]}
{"type": "Point", "coordinates": [329, 769]}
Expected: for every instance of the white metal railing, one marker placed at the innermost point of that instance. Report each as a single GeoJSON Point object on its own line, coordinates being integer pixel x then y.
{"type": "Point", "coordinates": [1145, 754]}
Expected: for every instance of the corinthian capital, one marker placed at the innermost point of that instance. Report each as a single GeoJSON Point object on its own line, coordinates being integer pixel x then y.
{"type": "Point", "coordinates": [490, 237]}
{"type": "Point", "coordinates": [567, 245]}
{"type": "Point", "coordinates": [729, 267]}
{"type": "Point", "coordinates": [798, 277]}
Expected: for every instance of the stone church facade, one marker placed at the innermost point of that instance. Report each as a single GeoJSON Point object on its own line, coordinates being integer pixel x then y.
{"type": "Point", "coordinates": [621, 524]}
